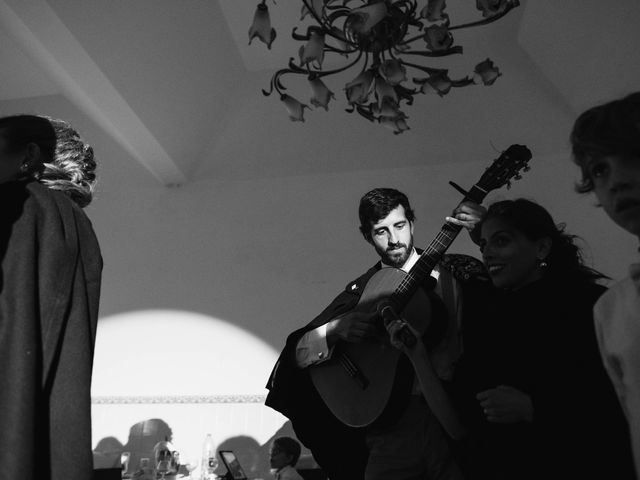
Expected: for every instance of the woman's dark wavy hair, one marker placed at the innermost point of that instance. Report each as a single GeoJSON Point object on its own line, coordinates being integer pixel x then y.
{"type": "Point", "coordinates": [609, 129]}
{"type": "Point", "coordinates": [535, 222]}
{"type": "Point", "coordinates": [377, 204]}
{"type": "Point", "coordinates": [68, 162]}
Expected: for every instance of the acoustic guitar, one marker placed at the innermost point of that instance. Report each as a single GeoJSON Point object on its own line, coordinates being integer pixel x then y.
{"type": "Point", "coordinates": [357, 381]}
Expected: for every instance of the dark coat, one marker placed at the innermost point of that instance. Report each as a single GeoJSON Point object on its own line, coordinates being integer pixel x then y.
{"type": "Point", "coordinates": [339, 449]}
{"type": "Point", "coordinates": [541, 340]}
{"type": "Point", "coordinates": [49, 290]}
{"type": "Point", "coordinates": [334, 445]}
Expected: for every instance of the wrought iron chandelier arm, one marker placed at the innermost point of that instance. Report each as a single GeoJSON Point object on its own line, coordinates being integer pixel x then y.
{"type": "Point", "coordinates": [323, 73]}
{"type": "Point", "coordinates": [422, 68]}
{"type": "Point", "coordinates": [331, 18]}
{"type": "Point", "coordinates": [427, 53]}
{"type": "Point", "coordinates": [332, 49]}
{"type": "Point", "coordinates": [484, 21]}
{"type": "Point", "coordinates": [313, 12]}
{"type": "Point", "coordinates": [326, 24]}
{"type": "Point", "coordinates": [276, 84]}
{"type": "Point", "coordinates": [462, 82]}
{"type": "Point", "coordinates": [296, 36]}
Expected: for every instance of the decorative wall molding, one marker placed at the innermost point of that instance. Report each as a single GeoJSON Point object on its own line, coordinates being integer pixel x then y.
{"type": "Point", "coordinates": [176, 399]}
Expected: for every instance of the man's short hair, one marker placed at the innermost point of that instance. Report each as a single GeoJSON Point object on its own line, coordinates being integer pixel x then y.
{"type": "Point", "coordinates": [377, 204]}
{"type": "Point", "coordinates": [609, 129]}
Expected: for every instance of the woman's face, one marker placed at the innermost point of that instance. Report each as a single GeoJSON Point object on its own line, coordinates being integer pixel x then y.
{"type": "Point", "coordinates": [510, 257]}
{"type": "Point", "coordinates": [10, 163]}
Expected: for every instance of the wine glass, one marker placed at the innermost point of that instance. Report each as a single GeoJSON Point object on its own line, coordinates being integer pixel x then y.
{"type": "Point", "coordinates": [212, 464]}
{"type": "Point", "coordinates": [163, 467]}
{"type": "Point", "coordinates": [124, 462]}
{"type": "Point", "coordinates": [190, 464]}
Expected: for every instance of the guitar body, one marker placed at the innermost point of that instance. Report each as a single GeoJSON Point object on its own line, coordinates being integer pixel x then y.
{"type": "Point", "coordinates": [352, 402]}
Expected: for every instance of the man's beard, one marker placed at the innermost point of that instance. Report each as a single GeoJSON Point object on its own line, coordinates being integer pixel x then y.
{"type": "Point", "coordinates": [397, 257]}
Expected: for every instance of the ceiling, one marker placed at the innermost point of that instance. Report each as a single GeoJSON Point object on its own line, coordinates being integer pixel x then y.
{"type": "Point", "coordinates": [176, 85]}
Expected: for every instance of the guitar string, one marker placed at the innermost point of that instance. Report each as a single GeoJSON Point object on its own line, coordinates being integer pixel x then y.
{"type": "Point", "coordinates": [430, 253]}
{"type": "Point", "coordinates": [427, 261]}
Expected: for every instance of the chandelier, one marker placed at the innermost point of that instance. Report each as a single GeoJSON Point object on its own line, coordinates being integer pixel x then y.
{"type": "Point", "coordinates": [385, 39]}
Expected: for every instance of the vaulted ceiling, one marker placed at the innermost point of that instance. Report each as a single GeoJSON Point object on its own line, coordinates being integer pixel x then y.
{"type": "Point", "coordinates": [176, 85]}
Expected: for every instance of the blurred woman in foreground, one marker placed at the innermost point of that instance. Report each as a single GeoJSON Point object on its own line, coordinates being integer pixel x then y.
{"type": "Point", "coordinates": [50, 272]}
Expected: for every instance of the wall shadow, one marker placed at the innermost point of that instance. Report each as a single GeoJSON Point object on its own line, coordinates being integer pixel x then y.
{"type": "Point", "coordinates": [143, 436]}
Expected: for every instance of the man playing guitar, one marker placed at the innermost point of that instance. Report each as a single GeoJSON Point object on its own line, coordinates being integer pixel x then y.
{"type": "Point", "coordinates": [409, 439]}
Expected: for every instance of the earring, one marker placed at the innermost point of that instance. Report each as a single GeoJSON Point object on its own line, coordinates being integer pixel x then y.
{"type": "Point", "coordinates": [543, 264]}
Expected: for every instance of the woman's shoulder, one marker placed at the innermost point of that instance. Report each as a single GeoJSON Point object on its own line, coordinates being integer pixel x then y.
{"type": "Point", "coordinates": [46, 197]}
{"type": "Point", "coordinates": [578, 288]}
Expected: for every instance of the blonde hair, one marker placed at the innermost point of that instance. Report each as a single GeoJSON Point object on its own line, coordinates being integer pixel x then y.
{"type": "Point", "coordinates": [72, 170]}
{"type": "Point", "coordinates": [66, 160]}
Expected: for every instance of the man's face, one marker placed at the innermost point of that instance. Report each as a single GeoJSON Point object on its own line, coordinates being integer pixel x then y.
{"type": "Point", "coordinates": [616, 181]}
{"type": "Point", "coordinates": [392, 237]}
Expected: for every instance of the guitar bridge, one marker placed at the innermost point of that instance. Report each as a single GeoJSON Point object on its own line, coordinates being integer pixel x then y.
{"type": "Point", "coordinates": [354, 372]}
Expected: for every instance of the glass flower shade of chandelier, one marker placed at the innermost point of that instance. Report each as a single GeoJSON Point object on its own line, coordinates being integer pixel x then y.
{"type": "Point", "coordinates": [384, 41]}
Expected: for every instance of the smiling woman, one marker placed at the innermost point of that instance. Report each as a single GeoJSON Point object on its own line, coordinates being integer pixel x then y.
{"type": "Point", "coordinates": [531, 377]}
{"type": "Point", "coordinates": [512, 259]}
{"type": "Point", "coordinates": [520, 243]}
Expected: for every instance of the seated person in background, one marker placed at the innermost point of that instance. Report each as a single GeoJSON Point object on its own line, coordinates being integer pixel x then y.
{"type": "Point", "coordinates": [606, 146]}
{"type": "Point", "coordinates": [534, 393]}
{"type": "Point", "coordinates": [283, 456]}
{"type": "Point", "coordinates": [50, 271]}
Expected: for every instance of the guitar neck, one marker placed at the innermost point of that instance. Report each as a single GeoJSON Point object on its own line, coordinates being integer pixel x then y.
{"type": "Point", "coordinates": [422, 269]}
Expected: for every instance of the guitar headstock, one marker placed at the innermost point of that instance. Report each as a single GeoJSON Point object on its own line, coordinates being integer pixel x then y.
{"type": "Point", "coordinates": [506, 167]}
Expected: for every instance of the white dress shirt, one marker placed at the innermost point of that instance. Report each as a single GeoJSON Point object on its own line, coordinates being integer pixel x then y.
{"type": "Point", "coordinates": [617, 322]}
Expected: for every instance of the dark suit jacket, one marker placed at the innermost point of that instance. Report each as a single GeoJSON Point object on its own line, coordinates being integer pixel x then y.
{"type": "Point", "coordinates": [49, 289]}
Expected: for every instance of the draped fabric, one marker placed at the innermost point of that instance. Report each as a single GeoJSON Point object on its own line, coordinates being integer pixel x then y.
{"type": "Point", "coordinates": [339, 449]}
{"type": "Point", "coordinates": [50, 272]}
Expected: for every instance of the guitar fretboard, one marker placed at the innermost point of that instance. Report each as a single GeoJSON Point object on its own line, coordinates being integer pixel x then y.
{"type": "Point", "coordinates": [431, 256]}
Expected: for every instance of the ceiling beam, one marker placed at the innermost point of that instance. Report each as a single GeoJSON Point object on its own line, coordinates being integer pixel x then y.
{"type": "Point", "coordinates": [39, 32]}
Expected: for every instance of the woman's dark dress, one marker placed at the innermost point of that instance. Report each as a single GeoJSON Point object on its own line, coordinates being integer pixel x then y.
{"type": "Point", "coordinates": [540, 339]}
